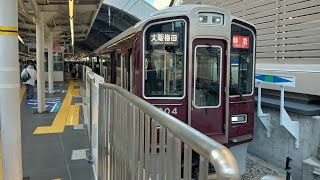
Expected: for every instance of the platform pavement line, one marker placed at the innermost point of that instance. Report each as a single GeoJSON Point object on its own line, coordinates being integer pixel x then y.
{"type": "Point", "coordinates": [63, 114]}
{"type": "Point", "coordinates": [57, 179]}
{"type": "Point", "coordinates": [22, 91]}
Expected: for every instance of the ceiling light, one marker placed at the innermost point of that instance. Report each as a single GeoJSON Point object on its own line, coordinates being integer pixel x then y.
{"type": "Point", "coordinates": [71, 6]}
{"type": "Point", "coordinates": [20, 39]}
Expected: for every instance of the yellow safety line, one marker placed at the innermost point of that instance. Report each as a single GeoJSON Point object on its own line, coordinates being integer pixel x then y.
{"type": "Point", "coordinates": [22, 91]}
{"type": "Point", "coordinates": [67, 115]}
{"type": "Point", "coordinates": [9, 33]}
{"type": "Point", "coordinates": [8, 28]}
{"type": "Point", "coordinates": [57, 179]}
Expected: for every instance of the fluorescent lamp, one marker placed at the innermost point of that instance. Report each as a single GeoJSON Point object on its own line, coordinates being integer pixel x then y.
{"type": "Point", "coordinates": [20, 39]}
{"type": "Point", "coordinates": [71, 6]}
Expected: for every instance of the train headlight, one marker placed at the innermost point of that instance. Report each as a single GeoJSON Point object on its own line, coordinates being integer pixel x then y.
{"type": "Point", "coordinates": [216, 19]}
{"type": "Point", "coordinates": [236, 119]}
{"type": "Point", "coordinates": [203, 19]}
{"type": "Point", "coordinates": [208, 18]}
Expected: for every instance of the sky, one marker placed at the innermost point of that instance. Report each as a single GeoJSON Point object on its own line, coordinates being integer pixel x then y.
{"type": "Point", "coordinates": [159, 4]}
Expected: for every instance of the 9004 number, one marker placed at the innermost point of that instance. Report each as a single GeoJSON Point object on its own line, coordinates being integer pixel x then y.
{"type": "Point", "coordinates": [173, 111]}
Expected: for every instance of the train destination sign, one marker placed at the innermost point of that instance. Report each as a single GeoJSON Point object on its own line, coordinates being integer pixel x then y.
{"type": "Point", "coordinates": [164, 38]}
{"type": "Point", "coordinates": [241, 42]}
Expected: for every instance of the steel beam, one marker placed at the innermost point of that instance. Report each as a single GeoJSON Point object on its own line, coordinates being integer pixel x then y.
{"type": "Point", "coordinates": [95, 15]}
{"type": "Point", "coordinates": [65, 8]}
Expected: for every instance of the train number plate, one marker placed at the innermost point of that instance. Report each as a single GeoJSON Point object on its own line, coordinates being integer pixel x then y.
{"type": "Point", "coordinates": [172, 111]}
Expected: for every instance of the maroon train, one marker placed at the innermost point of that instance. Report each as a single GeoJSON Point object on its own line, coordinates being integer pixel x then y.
{"type": "Point", "coordinates": [194, 62]}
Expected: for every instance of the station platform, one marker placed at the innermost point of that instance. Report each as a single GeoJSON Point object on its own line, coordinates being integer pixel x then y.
{"type": "Point", "coordinates": [52, 142]}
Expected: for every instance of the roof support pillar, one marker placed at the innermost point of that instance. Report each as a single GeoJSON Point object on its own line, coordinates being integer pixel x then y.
{"type": "Point", "coordinates": [9, 92]}
{"type": "Point", "coordinates": [50, 63]}
{"type": "Point", "coordinates": [92, 63]}
{"type": "Point", "coordinates": [40, 63]}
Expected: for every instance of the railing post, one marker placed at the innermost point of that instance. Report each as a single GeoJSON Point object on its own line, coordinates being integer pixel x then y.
{"type": "Point", "coordinates": [141, 144]}
{"type": "Point", "coordinates": [162, 168]}
{"type": "Point", "coordinates": [90, 117]}
{"type": "Point", "coordinates": [147, 147]}
{"type": "Point", "coordinates": [187, 162]}
{"type": "Point", "coordinates": [101, 130]}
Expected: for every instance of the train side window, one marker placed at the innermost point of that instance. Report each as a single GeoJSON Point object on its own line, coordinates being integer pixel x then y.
{"type": "Point", "coordinates": [123, 71]}
{"type": "Point", "coordinates": [131, 72]}
{"type": "Point", "coordinates": [207, 73]}
{"type": "Point", "coordinates": [164, 60]}
{"type": "Point", "coordinates": [118, 70]}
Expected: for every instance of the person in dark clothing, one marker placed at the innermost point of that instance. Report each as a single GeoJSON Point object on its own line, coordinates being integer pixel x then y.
{"type": "Point", "coordinates": [74, 71]}
{"type": "Point", "coordinates": [30, 83]}
{"type": "Point", "coordinates": [151, 78]}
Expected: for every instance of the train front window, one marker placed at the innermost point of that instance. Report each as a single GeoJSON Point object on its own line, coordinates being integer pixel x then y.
{"type": "Point", "coordinates": [242, 60]}
{"type": "Point", "coordinates": [207, 73]}
{"type": "Point", "coordinates": [164, 60]}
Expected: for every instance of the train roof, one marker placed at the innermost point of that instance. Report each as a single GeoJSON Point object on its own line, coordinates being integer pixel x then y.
{"type": "Point", "coordinates": [168, 12]}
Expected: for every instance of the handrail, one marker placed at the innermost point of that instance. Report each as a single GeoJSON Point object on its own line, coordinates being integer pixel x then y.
{"type": "Point", "coordinates": [271, 177]}
{"type": "Point", "coordinates": [222, 159]}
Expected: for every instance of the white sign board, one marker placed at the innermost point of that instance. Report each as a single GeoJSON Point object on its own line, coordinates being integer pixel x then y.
{"type": "Point", "coordinates": [281, 80]}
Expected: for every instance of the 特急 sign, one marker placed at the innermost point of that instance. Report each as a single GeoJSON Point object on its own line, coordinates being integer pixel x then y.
{"type": "Point", "coordinates": [240, 42]}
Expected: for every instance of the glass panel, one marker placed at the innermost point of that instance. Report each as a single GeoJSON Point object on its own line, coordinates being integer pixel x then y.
{"type": "Point", "coordinates": [164, 60]}
{"type": "Point", "coordinates": [242, 51]}
{"type": "Point", "coordinates": [207, 76]}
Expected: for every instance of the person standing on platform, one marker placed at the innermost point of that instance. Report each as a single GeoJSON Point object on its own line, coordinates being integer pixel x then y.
{"type": "Point", "coordinates": [29, 77]}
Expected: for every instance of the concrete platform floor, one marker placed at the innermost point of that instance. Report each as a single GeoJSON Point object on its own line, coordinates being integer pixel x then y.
{"type": "Point", "coordinates": [48, 156]}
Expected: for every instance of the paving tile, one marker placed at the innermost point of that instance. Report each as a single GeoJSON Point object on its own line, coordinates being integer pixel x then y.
{"type": "Point", "coordinates": [78, 173]}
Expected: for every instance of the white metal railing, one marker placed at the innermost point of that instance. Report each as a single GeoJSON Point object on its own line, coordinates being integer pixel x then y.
{"type": "Point", "coordinates": [128, 150]}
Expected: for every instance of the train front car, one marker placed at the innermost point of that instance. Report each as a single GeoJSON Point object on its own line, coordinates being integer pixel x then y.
{"type": "Point", "coordinates": [198, 65]}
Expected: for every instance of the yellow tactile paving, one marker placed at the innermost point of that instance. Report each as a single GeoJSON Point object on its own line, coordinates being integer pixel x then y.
{"type": "Point", "coordinates": [73, 117]}
{"type": "Point", "coordinates": [76, 92]}
{"type": "Point", "coordinates": [67, 115]}
{"type": "Point", "coordinates": [22, 91]}
{"type": "Point", "coordinates": [57, 179]}
{"type": "Point", "coordinates": [42, 130]}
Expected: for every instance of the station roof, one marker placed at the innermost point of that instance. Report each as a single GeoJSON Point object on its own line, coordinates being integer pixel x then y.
{"type": "Point", "coordinates": [92, 27]}
{"type": "Point", "coordinates": [104, 30]}
{"type": "Point", "coordinates": [56, 18]}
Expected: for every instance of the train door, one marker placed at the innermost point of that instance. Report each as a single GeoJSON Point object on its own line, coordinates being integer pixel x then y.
{"type": "Point", "coordinates": [208, 87]}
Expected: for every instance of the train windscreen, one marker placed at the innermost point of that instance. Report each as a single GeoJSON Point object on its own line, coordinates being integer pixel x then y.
{"type": "Point", "coordinates": [164, 59]}
{"type": "Point", "coordinates": [242, 60]}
